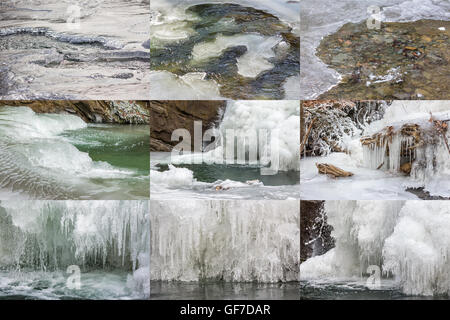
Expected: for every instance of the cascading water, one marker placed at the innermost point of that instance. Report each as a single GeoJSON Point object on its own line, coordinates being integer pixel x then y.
{"type": "Point", "coordinates": [407, 240]}
{"type": "Point", "coordinates": [107, 240]}
{"type": "Point", "coordinates": [37, 150]}
{"type": "Point", "coordinates": [232, 241]}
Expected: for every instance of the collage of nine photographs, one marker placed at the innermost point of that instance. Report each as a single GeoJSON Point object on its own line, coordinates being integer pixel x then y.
{"type": "Point", "coordinates": [224, 150]}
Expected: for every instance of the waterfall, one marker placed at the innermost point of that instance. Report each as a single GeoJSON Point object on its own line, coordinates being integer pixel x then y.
{"type": "Point", "coordinates": [407, 240]}
{"type": "Point", "coordinates": [238, 241]}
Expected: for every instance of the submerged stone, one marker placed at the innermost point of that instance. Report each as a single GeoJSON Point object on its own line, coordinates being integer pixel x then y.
{"type": "Point", "coordinates": [407, 60]}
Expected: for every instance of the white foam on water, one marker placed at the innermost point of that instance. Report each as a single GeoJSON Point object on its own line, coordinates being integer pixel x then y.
{"type": "Point", "coordinates": [408, 240]}
{"type": "Point", "coordinates": [225, 240]}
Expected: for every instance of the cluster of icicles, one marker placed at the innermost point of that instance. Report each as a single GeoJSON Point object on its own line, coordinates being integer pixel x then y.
{"type": "Point", "coordinates": [51, 235]}
{"type": "Point", "coordinates": [241, 241]}
{"type": "Point", "coordinates": [389, 154]}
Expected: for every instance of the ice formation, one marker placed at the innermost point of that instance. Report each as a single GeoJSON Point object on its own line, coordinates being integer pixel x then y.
{"type": "Point", "coordinates": [35, 154]}
{"type": "Point", "coordinates": [94, 235]}
{"type": "Point", "coordinates": [407, 240]}
{"type": "Point", "coordinates": [428, 153]}
{"type": "Point", "coordinates": [401, 150]}
{"type": "Point", "coordinates": [242, 241]}
{"type": "Point", "coordinates": [281, 121]}
{"type": "Point", "coordinates": [253, 62]}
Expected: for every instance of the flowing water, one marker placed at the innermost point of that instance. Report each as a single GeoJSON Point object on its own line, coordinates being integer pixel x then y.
{"type": "Point", "coordinates": [355, 289]}
{"type": "Point", "coordinates": [404, 244]}
{"type": "Point", "coordinates": [322, 18]}
{"type": "Point", "coordinates": [55, 156]}
{"type": "Point", "coordinates": [107, 240]}
{"type": "Point", "coordinates": [224, 49]}
{"type": "Point", "coordinates": [211, 174]}
{"type": "Point", "coordinates": [224, 291]}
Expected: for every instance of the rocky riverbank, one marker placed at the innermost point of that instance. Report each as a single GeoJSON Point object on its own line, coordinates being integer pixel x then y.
{"type": "Point", "coordinates": [166, 116]}
{"type": "Point", "coordinates": [94, 111]}
{"type": "Point", "coordinates": [400, 61]}
{"type": "Point", "coordinates": [315, 233]}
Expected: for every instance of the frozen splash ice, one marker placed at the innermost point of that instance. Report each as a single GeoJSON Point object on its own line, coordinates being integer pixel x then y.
{"type": "Point", "coordinates": [376, 157]}
{"type": "Point", "coordinates": [418, 250]}
{"type": "Point", "coordinates": [24, 124]}
{"type": "Point", "coordinates": [322, 18]}
{"type": "Point", "coordinates": [239, 241]}
{"type": "Point", "coordinates": [36, 151]}
{"type": "Point", "coordinates": [247, 118]}
{"type": "Point", "coordinates": [429, 157]}
{"type": "Point", "coordinates": [408, 240]}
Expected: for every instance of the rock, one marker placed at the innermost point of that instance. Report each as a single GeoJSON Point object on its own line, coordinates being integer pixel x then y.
{"type": "Point", "coordinates": [315, 232]}
{"type": "Point", "coordinates": [339, 58]}
{"type": "Point", "coordinates": [95, 111]}
{"type": "Point", "coordinates": [126, 75]}
{"type": "Point", "coordinates": [166, 116]}
{"type": "Point", "coordinates": [402, 56]}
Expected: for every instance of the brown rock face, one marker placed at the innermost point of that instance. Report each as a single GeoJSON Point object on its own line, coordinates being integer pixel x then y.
{"type": "Point", "coordinates": [315, 232]}
{"type": "Point", "coordinates": [91, 110]}
{"type": "Point", "coordinates": [166, 116]}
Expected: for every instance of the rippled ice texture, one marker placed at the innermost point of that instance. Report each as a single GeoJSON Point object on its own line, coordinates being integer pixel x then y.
{"type": "Point", "coordinates": [106, 57]}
